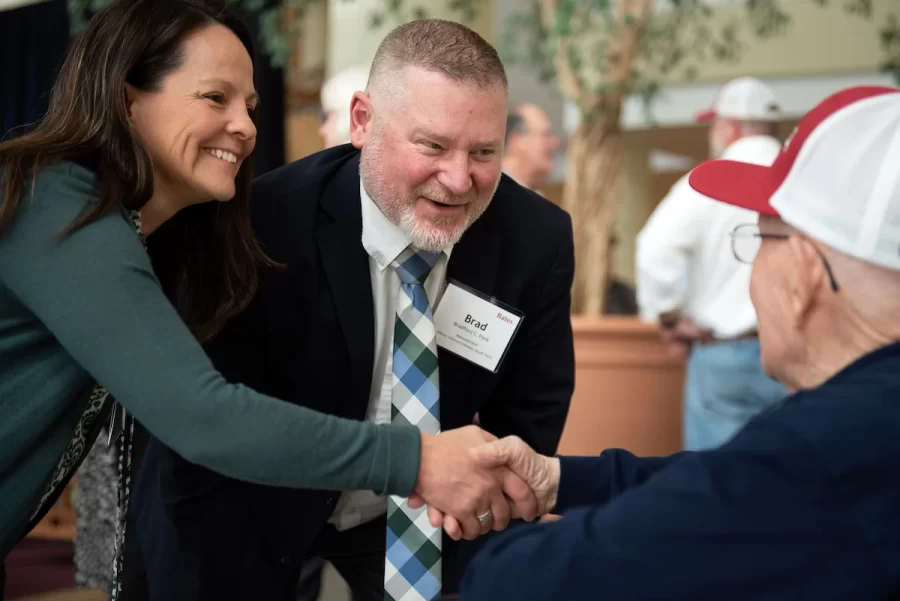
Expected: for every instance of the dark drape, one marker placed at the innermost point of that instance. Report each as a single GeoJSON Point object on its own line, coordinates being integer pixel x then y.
{"type": "Point", "coordinates": [33, 41]}
{"type": "Point", "coordinates": [270, 144]}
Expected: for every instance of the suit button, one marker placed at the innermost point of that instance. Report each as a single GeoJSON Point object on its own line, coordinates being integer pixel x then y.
{"type": "Point", "coordinates": [330, 501]}
{"type": "Point", "coordinates": [285, 560]}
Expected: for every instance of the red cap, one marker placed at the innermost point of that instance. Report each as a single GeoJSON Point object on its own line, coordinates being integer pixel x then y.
{"type": "Point", "coordinates": [751, 186]}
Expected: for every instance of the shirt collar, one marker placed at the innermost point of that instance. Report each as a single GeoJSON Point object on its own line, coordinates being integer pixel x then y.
{"type": "Point", "coordinates": [382, 239]}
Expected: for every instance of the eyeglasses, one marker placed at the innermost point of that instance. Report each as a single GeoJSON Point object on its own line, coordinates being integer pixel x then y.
{"type": "Point", "coordinates": [746, 240]}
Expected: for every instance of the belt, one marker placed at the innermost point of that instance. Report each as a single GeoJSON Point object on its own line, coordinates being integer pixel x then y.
{"type": "Point", "coordinates": [745, 336]}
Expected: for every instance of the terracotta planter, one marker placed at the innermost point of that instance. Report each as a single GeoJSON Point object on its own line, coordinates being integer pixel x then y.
{"type": "Point", "coordinates": [628, 391]}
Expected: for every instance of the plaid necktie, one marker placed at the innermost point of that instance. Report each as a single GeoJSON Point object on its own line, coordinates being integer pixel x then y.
{"type": "Point", "coordinates": [412, 569]}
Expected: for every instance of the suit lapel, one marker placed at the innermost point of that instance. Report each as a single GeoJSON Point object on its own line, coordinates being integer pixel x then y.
{"type": "Point", "coordinates": [346, 266]}
{"type": "Point", "coordinates": [474, 262]}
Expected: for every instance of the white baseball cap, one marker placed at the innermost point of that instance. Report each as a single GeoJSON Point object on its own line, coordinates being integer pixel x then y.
{"type": "Point", "coordinates": [745, 98]}
{"type": "Point", "coordinates": [837, 178]}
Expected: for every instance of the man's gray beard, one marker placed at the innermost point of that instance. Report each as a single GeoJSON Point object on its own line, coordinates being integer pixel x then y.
{"type": "Point", "coordinates": [426, 239]}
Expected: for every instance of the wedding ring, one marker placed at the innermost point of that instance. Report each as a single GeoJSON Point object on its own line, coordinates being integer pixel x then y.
{"type": "Point", "coordinates": [484, 517]}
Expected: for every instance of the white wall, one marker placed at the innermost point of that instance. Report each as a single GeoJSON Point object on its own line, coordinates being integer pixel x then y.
{"type": "Point", "coordinates": [676, 105]}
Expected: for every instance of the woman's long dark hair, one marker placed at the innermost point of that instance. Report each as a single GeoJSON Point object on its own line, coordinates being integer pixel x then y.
{"type": "Point", "coordinates": [208, 252]}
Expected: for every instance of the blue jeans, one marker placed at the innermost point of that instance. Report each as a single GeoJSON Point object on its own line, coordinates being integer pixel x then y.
{"type": "Point", "coordinates": [724, 388]}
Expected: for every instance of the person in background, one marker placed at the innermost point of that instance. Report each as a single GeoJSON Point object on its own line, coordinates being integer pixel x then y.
{"type": "Point", "coordinates": [335, 97]}
{"type": "Point", "coordinates": [151, 127]}
{"type": "Point", "coordinates": [699, 295]}
{"type": "Point", "coordinates": [804, 502]}
{"type": "Point", "coordinates": [528, 155]}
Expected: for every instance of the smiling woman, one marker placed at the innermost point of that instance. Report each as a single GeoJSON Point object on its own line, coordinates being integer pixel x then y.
{"type": "Point", "coordinates": [197, 122]}
{"type": "Point", "coordinates": [151, 118]}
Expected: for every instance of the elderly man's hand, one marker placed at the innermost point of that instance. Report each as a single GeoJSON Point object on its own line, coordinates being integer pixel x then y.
{"type": "Point", "coordinates": [539, 472]}
{"type": "Point", "coordinates": [523, 467]}
{"type": "Point", "coordinates": [459, 485]}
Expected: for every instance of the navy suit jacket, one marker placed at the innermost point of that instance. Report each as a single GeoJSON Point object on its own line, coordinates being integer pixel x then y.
{"type": "Point", "coordinates": [308, 338]}
{"type": "Point", "coordinates": [803, 503]}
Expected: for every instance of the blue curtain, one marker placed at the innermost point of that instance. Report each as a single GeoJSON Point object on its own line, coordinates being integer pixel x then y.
{"type": "Point", "coordinates": [33, 42]}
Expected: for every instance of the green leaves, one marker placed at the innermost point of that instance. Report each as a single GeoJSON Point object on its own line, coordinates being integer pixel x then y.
{"type": "Point", "coordinates": [276, 38]}
{"type": "Point", "coordinates": [525, 40]}
{"type": "Point", "coordinates": [889, 36]}
{"type": "Point", "coordinates": [401, 11]}
{"type": "Point", "coordinates": [275, 43]}
{"type": "Point", "coordinates": [766, 19]}
{"type": "Point", "coordinates": [679, 35]}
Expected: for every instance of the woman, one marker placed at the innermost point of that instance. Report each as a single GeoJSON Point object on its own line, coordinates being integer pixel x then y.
{"type": "Point", "coordinates": [151, 117]}
{"type": "Point", "coordinates": [95, 496]}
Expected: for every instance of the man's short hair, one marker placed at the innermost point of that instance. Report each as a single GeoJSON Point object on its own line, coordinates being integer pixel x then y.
{"type": "Point", "coordinates": [441, 46]}
{"type": "Point", "coordinates": [515, 124]}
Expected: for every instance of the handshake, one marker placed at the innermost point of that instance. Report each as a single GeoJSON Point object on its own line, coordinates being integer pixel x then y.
{"type": "Point", "coordinates": [474, 483]}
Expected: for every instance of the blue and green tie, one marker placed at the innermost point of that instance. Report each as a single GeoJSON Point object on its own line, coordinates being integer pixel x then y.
{"type": "Point", "coordinates": [412, 570]}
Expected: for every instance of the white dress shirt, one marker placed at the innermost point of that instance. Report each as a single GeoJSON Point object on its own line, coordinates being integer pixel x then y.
{"type": "Point", "coordinates": [684, 257]}
{"type": "Point", "coordinates": [384, 242]}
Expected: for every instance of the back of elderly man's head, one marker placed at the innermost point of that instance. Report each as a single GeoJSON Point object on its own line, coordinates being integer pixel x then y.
{"type": "Point", "coordinates": [436, 45]}
{"type": "Point", "coordinates": [826, 276]}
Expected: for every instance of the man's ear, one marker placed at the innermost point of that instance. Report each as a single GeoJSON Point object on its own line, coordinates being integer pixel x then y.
{"type": "Point", "coordinates": [805, 274]}
{"type": "Point", "coordinates": [360, 118]}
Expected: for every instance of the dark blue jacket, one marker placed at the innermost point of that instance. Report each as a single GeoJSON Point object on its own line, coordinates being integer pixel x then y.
{"type": "Point", "coordinates": [804, 503]}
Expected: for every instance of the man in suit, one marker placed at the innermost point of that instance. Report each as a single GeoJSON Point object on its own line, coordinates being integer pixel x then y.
{"type": "Point", "coordinates": [422, 178]}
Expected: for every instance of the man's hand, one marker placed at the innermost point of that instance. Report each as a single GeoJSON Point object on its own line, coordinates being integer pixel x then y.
{"type": "Point", "coordinates": [539, 472]}
{"type": "Point", "coordinates": [457, 483]}
{"type": "Point", "coordinates": [679, 333]}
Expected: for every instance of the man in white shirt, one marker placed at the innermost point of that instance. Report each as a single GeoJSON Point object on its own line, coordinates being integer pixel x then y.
{"type": "Point", "coordinates": [701, 295]}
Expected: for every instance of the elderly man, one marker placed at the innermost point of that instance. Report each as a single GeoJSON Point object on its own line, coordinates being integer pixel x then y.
{"type": "Point", "coordinates": [530, 145]}
{"type": "Point", "coordinates": [804, 502]}
{"type": "Point", "coordinates": [700, 295]}
{"type": "Point", "coordinates": [420, 287]}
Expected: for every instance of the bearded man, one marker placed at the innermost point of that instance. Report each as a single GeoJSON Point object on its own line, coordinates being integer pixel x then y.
{"type": "Point", "coordinates": [420, 286]}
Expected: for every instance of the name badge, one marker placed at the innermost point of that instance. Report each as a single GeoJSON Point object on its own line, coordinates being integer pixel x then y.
{"type": "Point", "coordinates": [475, 327]}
